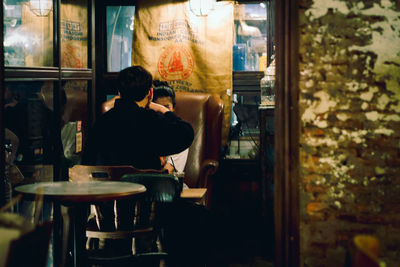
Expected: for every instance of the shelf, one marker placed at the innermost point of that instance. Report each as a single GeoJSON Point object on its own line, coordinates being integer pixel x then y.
{"type": "Point", "coordinates": [253, 19]}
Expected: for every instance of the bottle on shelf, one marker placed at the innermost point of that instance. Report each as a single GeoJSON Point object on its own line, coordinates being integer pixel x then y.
{"type": "Point", "coordinates": [262, 63]}
{"type": "Point", "coordinates": [267, 86]}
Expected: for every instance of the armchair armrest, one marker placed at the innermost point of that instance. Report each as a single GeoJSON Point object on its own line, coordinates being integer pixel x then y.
{"type": "Point", "coordinates": [207, 169]}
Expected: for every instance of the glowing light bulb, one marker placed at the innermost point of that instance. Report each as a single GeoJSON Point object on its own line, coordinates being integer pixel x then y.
{"type": "Point", "coordinates": [41, 8]}
{"type": "Point", "coordinates": [201, 7]}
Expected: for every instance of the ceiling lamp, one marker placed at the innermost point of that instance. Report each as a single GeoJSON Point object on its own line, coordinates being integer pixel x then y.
{"type": "Point", "coordinates": [201, 7]}
{"type": "Point", "coordinates": [41, 8]}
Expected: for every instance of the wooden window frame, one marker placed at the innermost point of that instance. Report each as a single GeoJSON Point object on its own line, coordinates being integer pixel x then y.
{"type": "Point", "coordinates": [287, 131]}
{"type": "Point", "coordinates": [57, 74]}
{"type": "Point", "coordinates": [2, 155]}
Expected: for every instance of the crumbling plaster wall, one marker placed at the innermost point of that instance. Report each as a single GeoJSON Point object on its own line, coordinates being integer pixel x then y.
{"type": "Point", "coordinates": [350, 127]}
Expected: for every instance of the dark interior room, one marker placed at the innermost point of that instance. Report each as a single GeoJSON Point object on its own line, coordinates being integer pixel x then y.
{"type": "Point", "coordinates": [213, 133]}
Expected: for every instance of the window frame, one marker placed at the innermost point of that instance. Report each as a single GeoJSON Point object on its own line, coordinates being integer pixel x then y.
{"type": "Point", "coordinates": [2, 155]}
{"type": "Point", "coordinates": [249, 81]}
{"type": "Point", "coordinates": [56, 73]}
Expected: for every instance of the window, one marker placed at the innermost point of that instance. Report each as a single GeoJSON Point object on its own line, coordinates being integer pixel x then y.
{"type": "Point", "coordinates": [74, 34]}
{"type": "Point", "coordinates": [28, 35]}
{"type": "Point", "coordinates": [120, 21]}
{"type": "Point", "coordinates": [29, 119]}
{"type": "Point", "coordinates": [74, 122]}
{"type": "Point", "coordinates": [46, 92]}
{"type": "Point", "coordinates": [250, 47]}
{"type": "Point", "coordinates": [252, 53]}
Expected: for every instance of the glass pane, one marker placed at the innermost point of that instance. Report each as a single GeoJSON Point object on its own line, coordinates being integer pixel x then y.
{"type": "Point", "coordinates": [28, 33]}
{"type": "Point", "coordinates": [75, 120]}
{"type": "Point", "coordinates": [250, 42]}
{"type": "Point", "coordinates": [74, 34]}
{"type": "Point", "coordinates": [244, 131]}
{"type": "Point", "coordinates": [119, 37]}
{"type": "Point", "coordinates": [30, 133]}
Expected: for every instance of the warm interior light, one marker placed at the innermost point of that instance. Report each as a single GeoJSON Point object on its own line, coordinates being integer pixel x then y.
{"type": "Point", "coordinates": [201, 7]}
{"type": "Point", "coordinates": [41, 8]}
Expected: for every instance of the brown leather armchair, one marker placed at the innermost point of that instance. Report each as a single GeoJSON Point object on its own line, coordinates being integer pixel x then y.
{"type": "Point", "coordinates": [204, 112]}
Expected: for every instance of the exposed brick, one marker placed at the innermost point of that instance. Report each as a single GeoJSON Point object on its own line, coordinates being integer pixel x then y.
{"type": "Point", "coordinates": [314, 207]}
{"type": "Point", "coordinates": [313, 178]}
{"type": "Point", "coordinates": [356, 189]}
{"type": "Point", "coordinates": [316, 189]}
{"type": "Point", "coordinates": [314, 132]}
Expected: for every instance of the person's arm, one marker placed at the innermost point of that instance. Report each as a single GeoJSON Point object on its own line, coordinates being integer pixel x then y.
{"type": "Point", "coordinates": [158, 108]}
{"type": "Point", "coordinates": [170, 134]}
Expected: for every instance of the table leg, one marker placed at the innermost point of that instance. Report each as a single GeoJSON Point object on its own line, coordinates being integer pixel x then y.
{"type": "Point", "coordinates": [79, 218]}
{"type": "Point", "coordinates": [58, 258]}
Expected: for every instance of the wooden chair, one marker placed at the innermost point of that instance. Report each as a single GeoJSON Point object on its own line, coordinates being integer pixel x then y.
{"type": "Point", "coordinates": [104, 173]}
{"type": "Point", "coordinates": [366, 250]}
{"type": "Point", "coordinates": [161, 189]}
{"type": "Point", "coordinates": [120, 229]}
{"type": "Point", "coordinates": [32, 248]}
{"type": "Point", "coordinates": [34, 242]}
{"type": "Point", "coordinates": [205, 113]}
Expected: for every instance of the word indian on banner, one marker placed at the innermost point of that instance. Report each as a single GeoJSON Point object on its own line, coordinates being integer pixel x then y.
{"type": "Point", "coordinates": [192, 53]}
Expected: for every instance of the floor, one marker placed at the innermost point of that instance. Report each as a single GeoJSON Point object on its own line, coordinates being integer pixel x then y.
{"type": "Point", "coordinates": [239, 203]}
{"type": "Point", "coordinates": [255, 263]}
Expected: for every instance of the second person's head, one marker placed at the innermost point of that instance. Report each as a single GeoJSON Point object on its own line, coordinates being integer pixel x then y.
{"type": "Point", "coordinates": [163, 94]}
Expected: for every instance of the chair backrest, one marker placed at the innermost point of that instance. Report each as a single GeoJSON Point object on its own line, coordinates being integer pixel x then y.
{"type": "Point", "coordinates": [366, 251]}
{"type": "Point", "coordinates": [205, 113]}
{"type": "Point", "coordinates": [105, 216]}
{"type": "Point", "coordinates": [33, 246]}
{"type": "Point", "coordinates": [159, 187]}
{"type": "Point", "coordinates": [104, 173]}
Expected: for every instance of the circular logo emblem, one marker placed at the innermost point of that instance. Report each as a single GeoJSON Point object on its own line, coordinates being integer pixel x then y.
{"type": "Point", "coordinates": [175, 63]}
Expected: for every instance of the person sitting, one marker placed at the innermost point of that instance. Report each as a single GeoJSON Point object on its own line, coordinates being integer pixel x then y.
{"type": "Point", "coordinates": [165, 95]}
{"type": "Point", "coordinates": [129, 133]}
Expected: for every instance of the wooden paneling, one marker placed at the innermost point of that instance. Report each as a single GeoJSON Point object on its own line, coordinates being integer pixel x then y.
{"type": "Point", "coordinates": [2, 184]}
{"type": "Point", "coordinates": [286, 176]}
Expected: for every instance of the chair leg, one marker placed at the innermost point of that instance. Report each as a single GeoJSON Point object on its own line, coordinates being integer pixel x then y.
{"type": "Point", "coordinates": [92, 243]}
{"type": "Point", "coordinates": [65, 234]}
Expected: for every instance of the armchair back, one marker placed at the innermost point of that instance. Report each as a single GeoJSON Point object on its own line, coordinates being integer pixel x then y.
{"type": "Point", "coordinates": [204, 112]}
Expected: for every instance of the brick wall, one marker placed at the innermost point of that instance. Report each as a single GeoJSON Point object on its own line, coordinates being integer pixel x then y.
{"type": "Point", "coordinates": [350, 127]}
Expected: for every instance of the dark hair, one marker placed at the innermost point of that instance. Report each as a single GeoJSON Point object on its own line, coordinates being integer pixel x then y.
{"type": "Point", "coordinates": [134, 83]}
{"type": "Point", "coordinates": [162, 89]}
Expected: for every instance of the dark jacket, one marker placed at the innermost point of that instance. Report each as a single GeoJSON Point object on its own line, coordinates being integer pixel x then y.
{"type": "Point", "coordinates": [130, 135]}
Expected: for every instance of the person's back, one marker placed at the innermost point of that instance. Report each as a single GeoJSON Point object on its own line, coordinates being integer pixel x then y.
{"type": "Point", "coordinates": [135, 131]}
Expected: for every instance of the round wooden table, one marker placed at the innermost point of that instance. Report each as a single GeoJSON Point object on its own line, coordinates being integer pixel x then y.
{"type": "Point", "coordinates": [77, 196]}
{"type": "Point", "coordinates": [82, 192]}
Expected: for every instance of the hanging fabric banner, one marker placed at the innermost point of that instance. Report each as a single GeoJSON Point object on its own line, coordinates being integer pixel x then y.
{"type": "Point", "coordinates": [190, 52]}
{"type": "Point", "coordinates": [74, 34]}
